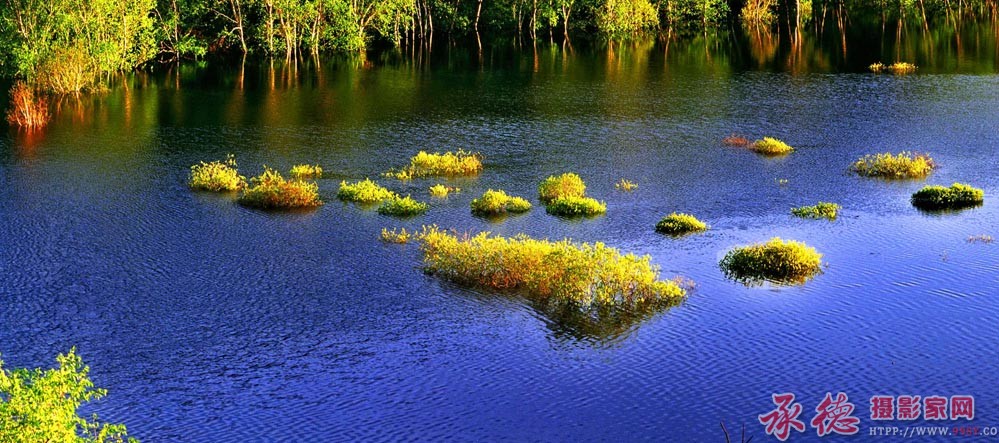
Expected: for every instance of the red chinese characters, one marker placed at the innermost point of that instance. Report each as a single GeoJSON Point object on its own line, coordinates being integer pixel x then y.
{"type": "Point", "coordinates": [834, 416]}
{"type": "Point", "coordinates": [780, 421]}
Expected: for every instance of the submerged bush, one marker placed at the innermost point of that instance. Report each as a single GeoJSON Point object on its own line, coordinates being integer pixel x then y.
{"type": "Point", "coordinates": [306, 171]}
{"type": "Point", "coordinates": [957, 196]}
{"type": "Point", "coordinates": [776, 260]}
{"type": "Point", "coordinates": [402, 206]}
{"type": "Point", "coordinates": [563, 272]}
{"type": "Point", "coordinates": [626, 185]}
{"type": "Point", "coordinates": [575, 206]}
{"type": "Point", "coordinates": [894, 68]}
{"type": "Point", "coordinates": [448, 164]}
{"type": "Point", "coordinates": [981, 238]}
{"type": "Point", "coordinates": [41, 406]}
{"type": "Point", "coordinates": [679, 224]}
{"type": "Point", "coordinates": [565, 185]}
{"type": "Point", "coordinates": [27, 109]}
{"type": "Point", "coordinates": [905, 164]}
{"type": "Point", "coordinates": [216, 176]}
{"type": "Point", "coordinates": [396, 236]}
{"type": "Point", "coordinates": [271, 191]}
{"type": "Point", "coordinates": [498, 202]}
{"type": "Point", "coordinates": [737, 141]}
{"type": "Point", "coordinates": [771, 146]}
{"type": "Point", "coordinates": [442, 191]}
{"type": "Point", "coordinates": [365, 191]}
{"type": "Point", "coordinates": [820, 210]}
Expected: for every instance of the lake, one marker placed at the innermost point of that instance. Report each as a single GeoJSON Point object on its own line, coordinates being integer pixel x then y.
{"type": "Point", "coordinates": [208, 321]}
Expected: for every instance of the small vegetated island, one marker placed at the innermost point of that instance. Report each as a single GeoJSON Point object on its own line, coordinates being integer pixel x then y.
{"type": "Point", "coordinates": [270, 190]}
{"type": "Point", "coordinates": [778, 261]}
{"type": "Point", "coordinates": [770, 146]}
{"type": "Point", "coordinates": [678, 224]}
{"type": "Point", "coordinates": [216, 176]}
{"type": "Point", "coordinates": [497, 203]}
{"type": "Point", "coordinates": [957, 196]}
{"type": "Point", "coordinates": [447, 164]}
{"type": "Point", "coordinates": [824, 210]}
{"type": "Point", "coordinates": [903, 165]}
{"type": "Point", "coordinates": [367, 191]}
{"type": "Point", "coordinates": [565, 195]}
{"type": "Point", "coordinates": [306, 171]}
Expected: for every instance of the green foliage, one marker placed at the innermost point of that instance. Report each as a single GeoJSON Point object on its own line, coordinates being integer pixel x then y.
{"type": "Point", "coordinates": [576, 206]}
{"type": "Point", "coordinates": [771, 146]}
{"type": "Point", "coordinates": [957, 196]}
{"type": "Point", "coordinates": [448, 164]}
{"type": "Point", "coordinates": [41, 405]}
{"type": "Point", "coordinates": [902, 165]}
{"type": "Point", "coordinates": [694, 14]}
{"type": "Point", "coordinates": [442, 191]}
{"type": "Point", "coordinates": [626, 185]}
{"type": "Point", "coordinates": [396, 236]}
{"type": "Point", "coordinates": [622, 17]}
{"type": "Point", "coordinates": [497, 202]}
{"type": "Point", "coordinates": [759, 12]}
{"type": "Point", "coordinates": [898, 68]}
{"type": "Point", "coordinates": [565, 185]}
{"type": "Point", "coordinates": [402, 206]}
{"type": "Point", "coordinates": [365, 191]}
{"type": "Point", "coordinates": [679, 224]}
{"type": "Point", "coordinates": [559, 272]}
{"type": "Point", "coordinates": [776, 260]}
{"type": "Point", "coordinates": [306, 171]}
{"type": "Point", "coordinates": [271, 191]}
{"type": "Point", "coordinates": [216, 176]}
{"type": "Point", "coordinates": [820, 210]}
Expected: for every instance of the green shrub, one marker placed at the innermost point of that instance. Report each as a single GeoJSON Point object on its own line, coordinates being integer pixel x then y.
{"type": "Point", "coordinates": [771, 146]}
{"type": "Point", "coordinates": [442, 191]}
{"type": "Point", "coordinates": [402, 206]}
{"type": "Point", "coordinates": [821, 210]}
{"type": "Point", "coordinates": [396, 236]}
{"type": "Point", "coordinates": [895, 68]}
{"type": "Point", "coordinates": [679, 224]}
{"type": "Point", "coordinates": [776, 260]}
{"type": "Point", "coordinates": [561, 272]}
{"type": "Point", "coordinates": [902, 165]}
{"type": "Point", "coordinates": [957, 196]}
{"type": "Point", "coordinates": [576, 206]}
{"type": "Point", "coordinates": [565, 185]}
{"type": "Point", "coordinates": [498, 202]}
{"type": "Point", "coordinates": [216, 176]}
{"type": "Point", "coordinates": [271, 191]}
{"type": "Point", "coordinates": [626, 185]}
{"type": "Point", "coordinates": [306, 171]}
{"type": "Point", "coordinates": [365, 191]}
{"type": "Point", "coordinates": [448, 164]}
{"type": "Point", "coordinates": [41, 406]}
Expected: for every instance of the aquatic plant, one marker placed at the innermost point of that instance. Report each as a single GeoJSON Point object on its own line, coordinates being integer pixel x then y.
{"type": "Point", "coordinates": [626, 185]}
{"type": "Point", "coordinates": [737, 141]}
{"type": "Point", "coordinates": [895, 68]}
{"type": "Point", "coordinates": [270, 190]}
{"type": "Point", "coordinates": [679, 223]}
{"type": "Point", "coordinates": [442, 191]}
{"type": "Point", "coordinates": [575, 206]}
{"type": "Point", "coordinates": [402, 206]}
{"type": "Point", "coordinates": [905, 164]}
{"type": "Point", "coordinates": [982, 238]}
{"type": "Point", "coordinates": [216, 176]}
{"type": "Point", "coordinates": [448, 164]}
{"type": "Point", "coordinates": [41, 405]}
{"type": "Point", "coordinates": [776, 260]}
{"type": "Point", "coordinates": [364, 191]}
{"type": "Point", "coordinates": [771, 146]}
{"type": "Point", "coordinates": [565, 185]}
{"type": "Point", "coordinates": [561, 272]}
{"type": "Point", "coordinates": [781, 181]}
{"type": "Point", "coordinates": [27, 108]}
{"type": "Point", "coordinates": [306, 171]}
{"type": "Point", "coordinates": [396, 236]}
{"type": "Point", "coordinates": [820, 210]}
{"type": "Point", "coordinates": [958, 195]}
{"type": "Point", "coordinates": [498, 202]}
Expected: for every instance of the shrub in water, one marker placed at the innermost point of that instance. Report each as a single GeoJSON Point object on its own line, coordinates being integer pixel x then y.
{"type": "Point", "coordinates": [402, 206]}
{"type": "Point", "coordinates": [306, 171]}
{"type": "Point", "coordinates": [442, 191]}
{"type": "Point", "coordinates": [271, 191]}
{"type": "Point", "coordinates": [575, 206]}
{"type": "Point", "coordinates": [563, 272]}
{"type": "Point", "coordinates": [498, 202]}
{"type": "Point", "coordinates": [565, 185]}
{"type": "Point", "coordinates": [396, 236]}
{"type": "Point", "coordinates": [902, 165]}
{"type": "Point", "coordinates": [27, 108]}
{"type": "Point", "coordinates": [771, 146]}
{"type": "Point", "coordinates": [957, 196]}
{"type": "Point", "coordinates": [41, 406]}
{"type": "Point", "coordinates": [737, 141]}
{"type": "Point", "coordinates": [448, 164]}
{"type": "Point", "coordinates": [626, 185]}
{"type": "Point", "coordinates": [216, 176]}
{"type": "Point", "coordinates": [776, 260]}
{"type": "Point", "coordinates": [365, 191]}
{"type": "Point", "coordinates": [679, 224]}
{"type": "Point", "coordinates": [821, 210]}
{"type": "Point", "coordinates": [894, 68]}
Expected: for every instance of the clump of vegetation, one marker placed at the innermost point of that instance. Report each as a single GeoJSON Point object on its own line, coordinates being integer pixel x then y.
{"type": "Point", "coordinates": [402, 206]}
{"type": "Point", "coordinates": [737, 141]}
{"type": "Point", "coordinates": [27, 108]}
{"type": "Point", "coordinates": [776, 260]}
{"type": "Point", "coordinates": [820, 210]}
{"type": "Point", "coordinates": [981, 239]}
{"type": "Point", "coordinates": [216, 176]}
{"type": "Point", "coordinates": [894, 68]}
{"type": "Point", "coordinates": [271, 191]}
{"type": "Point", "coordinates": [442, 191]}
{"type": "Point", "coordinates": [498, 202]}
{"type": "Point", "coordinates": [396, 236]}
{"type": "Point", "coordinates": [364, 191]}
{"type": "Point", "coordinates": [448, 164]}
{"type": "Point", "coordinates": [771, 146]}
{"type": "Point", "coordinates": [905, 164]}
{"type": "Point", "coordinates": [679, 224]}
{"type": "Point", "coordinates": [957, 196]}
{"type": "Point", "coordinates": [565, 185]}
{"type": "Point", "coordinates": [562, 272]}
{"type": "Point", "coordinates": [41, 406]}
{"type": "Point", "coordinates": [306, 171]}
{"type": "Point", "coordinates": [626, 185]}
{"type": "Point", "coordinates": [575, 206]}
{"type": "Point", "coordinates": [781, 181]}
